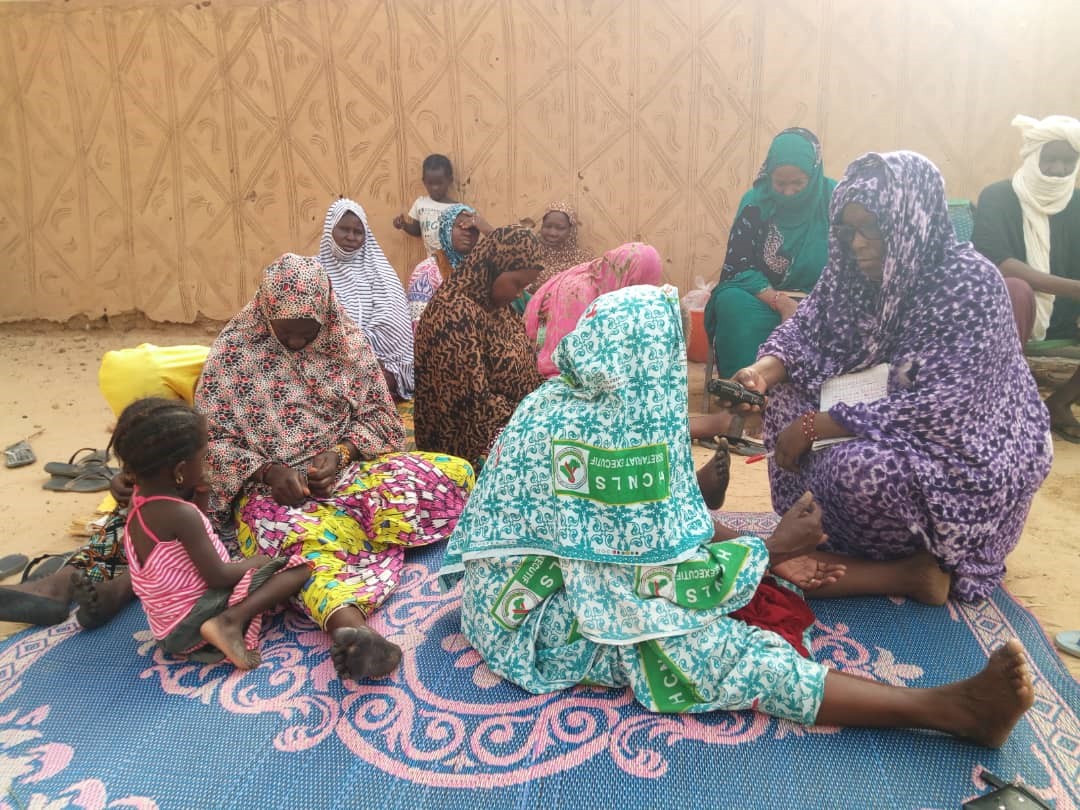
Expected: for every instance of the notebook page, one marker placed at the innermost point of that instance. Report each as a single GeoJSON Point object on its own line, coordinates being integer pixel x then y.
{"type": "Point", "coordinates": [852, 389]}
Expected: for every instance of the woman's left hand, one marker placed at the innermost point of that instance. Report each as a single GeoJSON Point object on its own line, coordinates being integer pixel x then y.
{"type": "Point", "coordinates": [808, 572]}
{"type": "Point", "coordinates": [323, 474]}
{"type": "Point", "coordinates": [791, 445]}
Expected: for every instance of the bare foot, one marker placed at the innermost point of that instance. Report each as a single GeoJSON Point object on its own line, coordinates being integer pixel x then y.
{"type": "Point", "coordinates": [55, 586]}
{"type": "Point", "coordinates": [710, 425]}
{"type": "Point", "coordinates": [714, 476]}
{"type": "Point", "coordinates": [927, 582]}
{"type": "Point", "coordinates": [227, 635]}
{"type": "Point", "coordinates": [1062, 419]}
{"type": "Point", "coordinates": [360, 652]}
{"type": "Point", "coordinates": [99, 601]}
{"type": "Point", "coordinates": [991, 703]}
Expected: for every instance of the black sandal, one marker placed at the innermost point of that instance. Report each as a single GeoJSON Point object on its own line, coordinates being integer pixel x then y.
{"type": "Point", "coordinates": [43, 566]}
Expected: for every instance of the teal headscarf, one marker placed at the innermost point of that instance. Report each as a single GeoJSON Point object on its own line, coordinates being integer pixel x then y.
{"type": "Point", "coordinates": [802, 219]}
{"type": "Point", "coordinates": [596, 465]}
{"type": "Point", "coordinates": [446, 229]}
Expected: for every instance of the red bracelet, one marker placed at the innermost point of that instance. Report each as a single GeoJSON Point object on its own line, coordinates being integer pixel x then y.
{"type": "Point", "coordinates": [808, 429]}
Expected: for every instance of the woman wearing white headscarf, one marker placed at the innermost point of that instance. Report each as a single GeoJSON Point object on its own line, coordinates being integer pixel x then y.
{"type": "Point", "coordinates": [370, 291]}
{"type": "Point", "coordinates": [1030, 227]}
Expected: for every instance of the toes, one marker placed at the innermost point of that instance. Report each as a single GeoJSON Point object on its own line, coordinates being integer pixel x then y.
{"type": "Point", "coordinates": [345, 637]}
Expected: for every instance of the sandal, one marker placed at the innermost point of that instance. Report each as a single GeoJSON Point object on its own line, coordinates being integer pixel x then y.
{"type": "Point", "coordinates": [1068, 641]}
{"type": "Point", "coordinates": [73, 468]}
{"type": "Point", "coordinates": [12, 564]}
{"type": "Point", "coordinates": [92, 479]}
{"type": "Point", "coordinates": [44, 566]}
{"type": "Point", "coordinates": [19, 455]}
{"type": "Point", "coordinates": [1070, 433]}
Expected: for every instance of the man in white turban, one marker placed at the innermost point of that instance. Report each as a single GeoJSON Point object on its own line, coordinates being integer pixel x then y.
{"type": "Point", "coordinates": [1030, 227]}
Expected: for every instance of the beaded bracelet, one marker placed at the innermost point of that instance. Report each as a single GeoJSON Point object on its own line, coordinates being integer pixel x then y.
{"type": "Point", "coordinates": [808, 429]}
{"type": "Point", "coordinates": [344, 455]}
{"type": "Point", "coordinates": [773, 299]}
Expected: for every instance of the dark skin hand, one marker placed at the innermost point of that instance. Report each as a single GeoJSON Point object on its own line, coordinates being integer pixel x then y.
{"type": "Point", "coordinates": [287, 486]}
{"type": "Point", "coordinates": [121, 486]}
{"type": "Point", "coordinates": [792, 444]}
{"type": "Point", "coordinates": [798, 534]}
{"type": "Point", "coordinates": [323, 471]}
{"type": "Point", "coordinates": [322, 474]}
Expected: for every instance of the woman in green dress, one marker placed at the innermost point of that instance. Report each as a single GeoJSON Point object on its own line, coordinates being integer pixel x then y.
{"type": "Point", "coordinates": [779, 244]}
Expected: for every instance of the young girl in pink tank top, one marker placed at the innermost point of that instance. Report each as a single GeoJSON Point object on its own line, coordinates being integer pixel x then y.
{"type": "Point", "coordinates": [192, 594]}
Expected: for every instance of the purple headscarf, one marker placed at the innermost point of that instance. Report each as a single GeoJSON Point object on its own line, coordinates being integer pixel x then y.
{"type": "Point", "coordinates": [962, 404]}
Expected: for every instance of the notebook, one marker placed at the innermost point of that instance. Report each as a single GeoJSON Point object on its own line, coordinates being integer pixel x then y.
{"type": "Point", "coordinates": [869, 385]}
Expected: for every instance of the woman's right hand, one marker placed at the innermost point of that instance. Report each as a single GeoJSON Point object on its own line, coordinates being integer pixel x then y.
{"type": "Point", "coordinates": [287, 486]}
{"type": "Point", "coordinates": [121, 486]}
{"type": "Point", "coordinates": [785, 306]}
{"type": "Point", "coordinates": [799, 531]}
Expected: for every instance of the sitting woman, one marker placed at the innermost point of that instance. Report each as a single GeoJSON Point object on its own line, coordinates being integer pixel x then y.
{"type": "Point", "coordinates": [369, 291]}
{"type": "Point", "coordinates": [949, 459]}
{"type": "Point", "coordinates": [554, 310]}
{"type": "Point", "coordinates": [588, 557]}
{"type": "Point", "coordinates": [558, 235]}
{"type": "Point", "coordinates": [305, 451]}
{"type": "Point", "coordinates": [474, 362]}
{"type": "Point", "coordinates": [460, 228]}
{"type": "Point", "coordinates": [779, 243]}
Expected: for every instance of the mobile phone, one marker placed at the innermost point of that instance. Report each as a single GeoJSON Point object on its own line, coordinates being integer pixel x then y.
{"type": "Point", "coordinates": [736, 394]}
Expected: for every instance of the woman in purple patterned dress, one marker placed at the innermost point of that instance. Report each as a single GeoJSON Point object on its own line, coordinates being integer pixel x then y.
{"type": "Point", "coordinates": [947, 463]}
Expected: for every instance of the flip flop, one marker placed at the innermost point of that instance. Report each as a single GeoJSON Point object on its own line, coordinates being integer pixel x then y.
{"type": "Point", "coordinates": [12, 564]}
{"type": "Point", "coordinates": [92, 479]}
{"type": "Point", "coordinates": [73, 468]}
{"type": "Point", "coordinates": [29, 608]}
{"type": "Point", "coordinates": [1062, 432]}
{"type": "Point", "coordinates": [19, 454]}
{"type": "Point", "coordinates": [1068, 641]}
{"type": "Point", "coordinates": [44, 566]}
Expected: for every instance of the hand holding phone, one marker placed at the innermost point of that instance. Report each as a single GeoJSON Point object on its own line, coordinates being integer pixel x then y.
{"type": "Point", "coordinates": [736, 394]}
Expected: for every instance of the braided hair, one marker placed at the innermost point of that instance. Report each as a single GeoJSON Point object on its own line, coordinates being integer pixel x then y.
{"type": "Point", "coordinates": [153, 434]}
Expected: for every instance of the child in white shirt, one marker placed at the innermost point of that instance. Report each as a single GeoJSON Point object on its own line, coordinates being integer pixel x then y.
{"type": "Point", "coordinates": [423, 218]}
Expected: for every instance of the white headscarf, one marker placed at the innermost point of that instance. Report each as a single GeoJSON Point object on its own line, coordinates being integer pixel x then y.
{"type": "Point", "coordinates": [1041, 197]}
{"type": "Point", "coordinates": [371, 293]}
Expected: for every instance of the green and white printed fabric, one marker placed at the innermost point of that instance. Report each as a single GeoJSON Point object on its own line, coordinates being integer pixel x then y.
{"type": "Point", "coordinates": [586, 547]}
{"type": "Point", "coordinates": [596, 465]}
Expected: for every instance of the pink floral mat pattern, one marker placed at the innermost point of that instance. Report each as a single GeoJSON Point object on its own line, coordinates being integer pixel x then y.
{"type": "Point", "coordinates": [103, 719]}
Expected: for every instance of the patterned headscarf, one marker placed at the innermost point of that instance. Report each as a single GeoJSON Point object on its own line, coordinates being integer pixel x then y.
{"type": "Point", "coordinates": [474, 364]}
{"type": "Point", "coordinates": [566, 255]}
{"type": "Point", "coordinates": [264, 402]}
{"type": "Point", "coordinates": [501, 251]}
{"type": "Point", "coordinates": [794, 227]}
{"type": "Point", "coordinates": [446, 229]}
{"type": "Point", "coordinates": [371, 293]}
{"type": "Point", "coordinates": [555, 309]}
{"type": "Point", "coordinates": [596, 464]}
{"type": "Point", "coordinates": [940, 318]}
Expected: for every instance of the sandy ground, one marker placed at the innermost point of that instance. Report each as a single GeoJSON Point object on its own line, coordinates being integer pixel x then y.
{"type": "Point", "coordinates": [52, 388]}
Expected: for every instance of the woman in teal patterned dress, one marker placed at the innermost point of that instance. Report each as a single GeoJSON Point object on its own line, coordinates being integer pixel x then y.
{"type": "Point", "coordinates": [588, 556]}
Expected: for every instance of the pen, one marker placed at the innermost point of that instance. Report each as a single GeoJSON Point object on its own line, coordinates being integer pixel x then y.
{"type": "Point", "coordinates": [760, 457]}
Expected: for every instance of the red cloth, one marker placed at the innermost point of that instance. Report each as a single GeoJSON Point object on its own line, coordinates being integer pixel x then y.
{"type": "Point", "coordinates": [781, 610]}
